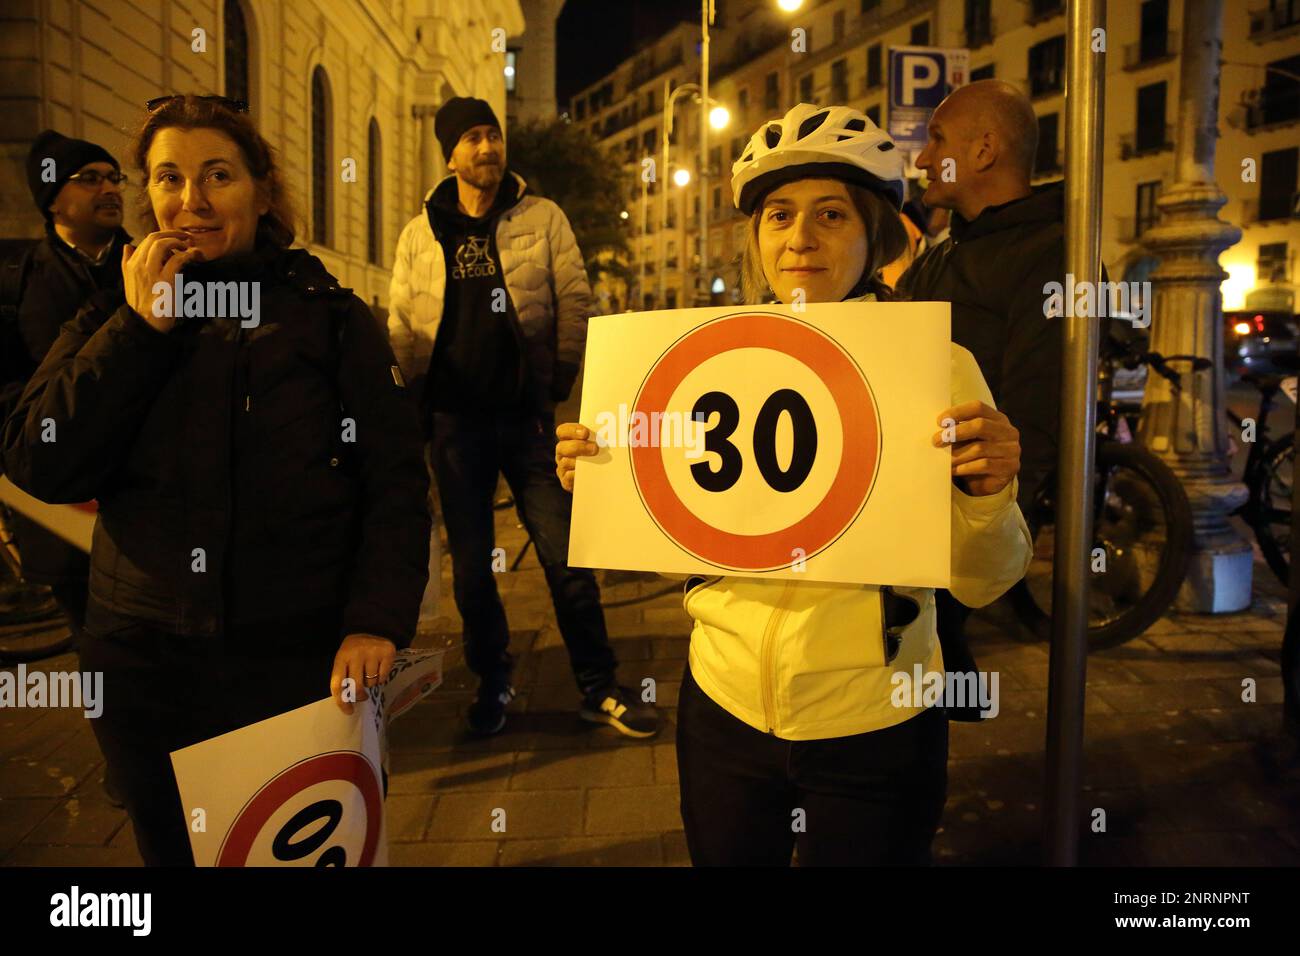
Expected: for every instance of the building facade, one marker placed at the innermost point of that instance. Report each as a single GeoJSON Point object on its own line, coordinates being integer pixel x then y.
{"type": "Point", "coordinates": [345, 92]}
{"type": "Point", "coordinates": [762, 64]}
{"type": "Point", "coordinates": [530, 64]}
{"type": "Point", "coordinates": [624, 112]}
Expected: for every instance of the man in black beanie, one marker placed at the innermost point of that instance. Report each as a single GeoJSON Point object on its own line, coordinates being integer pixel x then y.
{"type": "Point", "coordinates": [488, 313]}
{"type": "Point", "coordinates": [77, 187]}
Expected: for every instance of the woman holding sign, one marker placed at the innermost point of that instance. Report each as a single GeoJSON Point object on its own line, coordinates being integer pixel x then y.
{"type": "Point", "coordinates": [262, 540]}
{"type": "Point", "coordinates": [791, 730]}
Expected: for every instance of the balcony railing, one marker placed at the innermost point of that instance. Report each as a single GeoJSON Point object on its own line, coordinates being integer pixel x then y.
{"type": "Point", "coordinates": [1133, 228]}
{"type": "Point", "coordinates": [981, 34]}
{"type": "Point", "coordinates": [1270, 105]}
{"type": "Point", "coordinates": [1150, 50]}
{"type": "Point", "coordinates": [1050, 165]}
{"type": "Point", "coordinates": [1146, 141]}
{"type": "Point", "coordinates": [1259, 209]}
{"type": "Point", "coordinates": [1047, 82]}
{"type": "Point", "coordinates": [1265, 23]}
{"type": "Point", "coordinates": [647, 69]}
{"type": "Point", "coordinates": [1040, 10]}
{"type": "Point", "coordinates": [749, 47]}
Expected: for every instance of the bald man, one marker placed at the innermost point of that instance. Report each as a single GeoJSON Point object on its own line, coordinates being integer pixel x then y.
{"type": "Point", "coordinates": [1006, 241]}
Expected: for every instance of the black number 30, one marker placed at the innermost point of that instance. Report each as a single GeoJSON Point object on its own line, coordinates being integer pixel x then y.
{"type": "Point", "coordinates": [715, 440]}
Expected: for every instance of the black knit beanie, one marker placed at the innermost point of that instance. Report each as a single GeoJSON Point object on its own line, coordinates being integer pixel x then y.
{"type": "Point", "coordinates": [69, 156]}
{"type": "Point", "coordinates": [457, 115]}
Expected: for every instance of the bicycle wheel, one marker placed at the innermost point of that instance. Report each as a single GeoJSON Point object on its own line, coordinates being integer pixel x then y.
{"type": "Point", "coordinates": [1142, 523]}
{"type": "Point", "coordinates": [1271, 494]}
{"type": "Point", "coordinates": [31, 625]}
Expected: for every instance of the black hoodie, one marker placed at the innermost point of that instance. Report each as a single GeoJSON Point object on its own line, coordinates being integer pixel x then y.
{"type": "Point", "coordinates": [993, 270]}
{"type": "Point", "coordinates": [477, 363]}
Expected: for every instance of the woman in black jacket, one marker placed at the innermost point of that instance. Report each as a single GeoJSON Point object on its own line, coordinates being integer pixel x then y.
{"type": "Point", "coordinates": [263, 530]}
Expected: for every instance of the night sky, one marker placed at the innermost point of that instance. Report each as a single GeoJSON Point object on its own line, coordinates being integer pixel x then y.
{"type": "Point", "coordinates": [594, 36]}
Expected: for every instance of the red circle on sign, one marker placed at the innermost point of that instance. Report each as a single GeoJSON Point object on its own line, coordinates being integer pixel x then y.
{"type": "Point", "coordinates": [860, 442]}
{"type": "Point", "coordinates": [343, 765]}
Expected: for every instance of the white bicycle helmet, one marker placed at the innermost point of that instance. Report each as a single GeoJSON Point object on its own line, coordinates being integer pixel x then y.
{"type": "Point", "coordinates": [837, 142]}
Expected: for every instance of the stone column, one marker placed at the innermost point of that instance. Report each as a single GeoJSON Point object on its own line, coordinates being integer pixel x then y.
{"type": "Point", "coordinates": [1188, 430]}
{"type": "Point", "coordinates": [432, 166]}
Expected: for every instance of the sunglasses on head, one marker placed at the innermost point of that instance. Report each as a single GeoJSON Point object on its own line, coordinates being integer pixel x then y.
{"type": "Point", "coordinates": [236, 106]}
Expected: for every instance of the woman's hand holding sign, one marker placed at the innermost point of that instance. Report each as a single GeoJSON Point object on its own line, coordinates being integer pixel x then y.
{"type": "Point", "coordinates": [364, 658]}
{"type": "Point", "coordinates": [574, 440]}
{"type": "Point", "coordinates": [985, 447]}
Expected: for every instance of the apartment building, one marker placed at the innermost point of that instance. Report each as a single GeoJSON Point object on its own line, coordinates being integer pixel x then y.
{"type": "Point", "coordinates": [624, 111]}
{"type": "Point", "coordinates": [842, 56]}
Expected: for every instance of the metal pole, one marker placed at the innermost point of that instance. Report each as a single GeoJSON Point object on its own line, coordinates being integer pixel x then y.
{"type": "Point", "coordinates": [645, 232]}
{"type": "Point", "coordinates": [669, 100]}
{"type": "Point", "coordinates": [1291, 634]}
{"type": "Point", "coordinates": [706, 17]}
{"type": "Point", "coordinates": [1084, 102]}
{"type": "Point", "coordinates": [663, 179]}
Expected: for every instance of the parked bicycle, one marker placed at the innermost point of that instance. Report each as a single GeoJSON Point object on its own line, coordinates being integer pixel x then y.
{"type": "Point", "coordinates": [1142, 521]}
{"type": "Point", "coordinates": [31, 626]}
{"type": "Point", "coordinates": [1269, 464]}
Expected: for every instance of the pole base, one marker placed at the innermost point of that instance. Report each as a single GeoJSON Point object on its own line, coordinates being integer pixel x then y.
{"type": "Point", "coordinates": [1218, 579]}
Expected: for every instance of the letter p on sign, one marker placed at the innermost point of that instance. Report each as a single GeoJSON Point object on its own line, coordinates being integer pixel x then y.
{"type": "Point", "coordinates": [919, 73]}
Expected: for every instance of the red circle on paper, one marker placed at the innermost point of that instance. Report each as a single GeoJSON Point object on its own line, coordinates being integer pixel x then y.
{"type": "Point", "coordinates": [345, 765]}
{"type": "Point", "coordinates": [860, 442]}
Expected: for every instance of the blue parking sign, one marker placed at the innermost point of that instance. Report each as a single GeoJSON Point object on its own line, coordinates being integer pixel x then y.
{"type": "Point", "coordinates": [919, 79]}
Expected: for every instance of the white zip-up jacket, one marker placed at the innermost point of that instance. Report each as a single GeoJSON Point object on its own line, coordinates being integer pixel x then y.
{"type": "Point", "coordinates": [544, 277]}
{"type": "Point", "coordinates": [806, 661]}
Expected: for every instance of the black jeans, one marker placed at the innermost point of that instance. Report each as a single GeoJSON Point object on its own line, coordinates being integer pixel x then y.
{"type": "Point", "coordinates": [867, 799]}
{"type": "Point", "coordinates": [166, 691]}
{"type": "Point", "coordinates": [469, 452]}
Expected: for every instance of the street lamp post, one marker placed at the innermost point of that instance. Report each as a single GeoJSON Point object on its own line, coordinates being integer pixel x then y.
{"type": "Point", "coordinates": [706, 18]}
{"type": "Point", "coordinates": [645, 231]}
{"type": "Point", "coordinates": [669, 96]}
{"type": "Point", "coordinates": [670, 100]}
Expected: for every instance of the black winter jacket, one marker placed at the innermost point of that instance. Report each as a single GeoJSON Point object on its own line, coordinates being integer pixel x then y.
{"type": "Point", "coordinates": [230, 498]}
{"type": "Point", "coordinates": [993, 269]}
{"type": "Point", "coordinates": [58, 282]}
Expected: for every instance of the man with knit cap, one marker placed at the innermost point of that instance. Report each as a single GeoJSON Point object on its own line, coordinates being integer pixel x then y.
{"type": "Point", "coordinates": [77, 186]}
{"type": "Point", "coordinates": [488, 313]}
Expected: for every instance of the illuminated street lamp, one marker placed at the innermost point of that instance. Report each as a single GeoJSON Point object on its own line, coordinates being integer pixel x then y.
{"type": "Point", "coordinates": [719, 116]}
{"type": "Point", "coordinates": [789, 6]}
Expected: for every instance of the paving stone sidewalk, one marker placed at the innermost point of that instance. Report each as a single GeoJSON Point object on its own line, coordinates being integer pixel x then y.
{"type": "Point", "coordinates": [1172, 750]}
